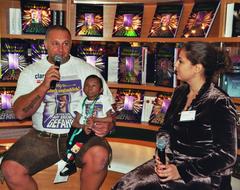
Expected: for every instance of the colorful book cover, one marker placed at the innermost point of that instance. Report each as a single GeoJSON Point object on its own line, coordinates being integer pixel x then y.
{"type": "Point", "coordinates": [6, 95]}
{"type": "Point", "coordinates": [166, 20]}
{"type": "Point", "coordinates": [201, 18]}
{"type": "Point", "coordinates": [36, 16]}
{"type": "Point", "coordinates": [160, 107]}
{"type": "Point", "coordinates": [13, 58]}
{"type": "Point", "coordinates": [148, 102]}
{"type": "Point", "coordinates": [230, 83]}
{"type": "Point", "coordinates": [129, 105]}
{"type": "Point", "coordinates": [131, 64]}
{"type": "Point", "coordinates": [37, 50]}
{"type": "Point", "coordinates": [128, 21]}
{"type": "Point", "coordinates": [95, 55]}
{"type": "Point", "coordinates": [89, 20]}
{"type": "Point", "coordinates": [164, 64]}
{"type": "Point", "coordinates": [236, 20]}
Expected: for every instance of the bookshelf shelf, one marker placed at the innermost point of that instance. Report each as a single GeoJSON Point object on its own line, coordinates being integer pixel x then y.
{"type": "Point", "coordinates": [162, 40]}
{"type": "Point", "coordinates": [137, 125]}
{"type": "Point", "coordinates": [140, 87]}
{"type": "Point", "coordinates": [8, 84]}
{"type": "Point", "coordinates": [140, 39]}
{"type": "Point", "coordinates": [14, 124]}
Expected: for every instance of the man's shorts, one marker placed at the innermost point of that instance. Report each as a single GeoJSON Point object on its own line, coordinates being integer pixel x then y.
{"type": "Point", "coordinates": [38, 150]}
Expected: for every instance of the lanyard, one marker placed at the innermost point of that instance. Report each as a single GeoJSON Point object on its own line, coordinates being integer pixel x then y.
{"type": "Point", "coordinates": [91, 109]}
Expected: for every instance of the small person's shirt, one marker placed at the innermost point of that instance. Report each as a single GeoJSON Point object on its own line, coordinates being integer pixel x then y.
{"type": "Point", "coordinates": [100, 109]}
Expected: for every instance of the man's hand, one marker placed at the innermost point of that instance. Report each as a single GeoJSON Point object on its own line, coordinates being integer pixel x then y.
{"type": "Point", "coordinates": [51, 74]}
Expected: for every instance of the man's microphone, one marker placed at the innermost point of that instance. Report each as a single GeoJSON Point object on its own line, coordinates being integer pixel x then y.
{"type": "Point", "coordinates": [57, 62]}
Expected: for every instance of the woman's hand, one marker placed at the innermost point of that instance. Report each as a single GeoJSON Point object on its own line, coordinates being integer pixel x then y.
{"type": "Point", "coordinates": [166, 172]}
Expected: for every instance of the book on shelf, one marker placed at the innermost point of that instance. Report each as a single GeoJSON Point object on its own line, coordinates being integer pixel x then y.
{"type": "Point", "coordinates": [164, 64]}
{"type": "Point", "coordinates": [95, 55]}
{"type": "Point", "coordinates": [159, 109]}
{"type": "Point", "coordinates": [6, 95]}
{"type": "Point", "coordinates": [37, 50]}
{"type": "Point", "coordinates": [236, 21]}
{"type": "Point", "coordinates": [165, 21]}
{"type": "Point", "coordinates": [148, 102]}
{"type": "Point", "coordinates": [128, 20]}
{"type": "Point", "coordinates": [132, 65]}
{"type": "Point", "coordinates": [112, 69]}
{"type": "Point", "coordinates": [58, 17]}
{"type": "Point", "coordinates": [13, 58]}
{"type": "Point", "coordinates": [36, 16]}
{"type": "Point", "coordinates": [201, 18]}
{"type": "Point", "coordinates": [15, 22]}
{"type": "Point", "coordinates": [129, 105]}
{"type": "Point", "coordinates": [230, 81]}
{"type": "Point", "coordinates": [89, 20]}
{"type": "Point", "coordinates": [232, 24]}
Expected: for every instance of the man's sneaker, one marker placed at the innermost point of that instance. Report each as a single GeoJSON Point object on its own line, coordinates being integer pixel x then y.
{"type": "Point", "coordinates": [69, 169]}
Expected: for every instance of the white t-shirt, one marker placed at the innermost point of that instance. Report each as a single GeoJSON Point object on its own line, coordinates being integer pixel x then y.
{"type": "Point", "coordinates": [101, 107]}
{"type": "Point", "coordinates": [56, 112]}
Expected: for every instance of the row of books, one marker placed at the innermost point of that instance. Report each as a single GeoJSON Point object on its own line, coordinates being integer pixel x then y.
{"type": "Point", "coordinates": [134, 106]}
{"type": "Point", "coordinates": [36, 16]}
{"type": "Point", "coordinates": [128, 20]}
{"type": "Point", "coordinates": [131, 65]}
{"type": "Point", "coordinates": [131, 105]}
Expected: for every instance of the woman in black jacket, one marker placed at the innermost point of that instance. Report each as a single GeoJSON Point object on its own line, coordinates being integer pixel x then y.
{"type": "Point", "coordinates": [201, 122]}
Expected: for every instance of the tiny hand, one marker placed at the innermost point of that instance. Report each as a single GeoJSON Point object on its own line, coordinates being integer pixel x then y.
{"type": "Point", "coordinates": [101, 129]}
{"type": "Point", "coordinates": [87, 129]}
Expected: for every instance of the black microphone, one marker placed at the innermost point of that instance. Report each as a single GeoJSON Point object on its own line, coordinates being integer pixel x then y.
{"type": "Point", "coordinates": [57, 62]}
{"type": "Point", "coordinates": [162, 142]}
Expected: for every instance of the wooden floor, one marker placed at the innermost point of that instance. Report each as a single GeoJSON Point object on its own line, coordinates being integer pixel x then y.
{"type": "Point", "coordinates": [45, 181]}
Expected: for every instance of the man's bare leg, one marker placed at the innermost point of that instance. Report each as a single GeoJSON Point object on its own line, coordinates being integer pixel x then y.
{"type": "Point", "coordinates": [94, 171]}
{"type": "Point", "coordinates": [17, 177]}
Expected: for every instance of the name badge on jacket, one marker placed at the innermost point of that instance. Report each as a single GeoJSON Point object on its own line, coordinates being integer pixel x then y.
{"type": "Point", "coordinates": [188, 115]}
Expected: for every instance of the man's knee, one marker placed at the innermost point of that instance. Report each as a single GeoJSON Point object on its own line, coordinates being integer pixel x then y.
{"type": "Point", "coordinates": [12, 171]}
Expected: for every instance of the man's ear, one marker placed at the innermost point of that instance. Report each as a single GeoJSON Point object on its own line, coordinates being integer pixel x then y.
{"type": "Point", "coordinates": [45, 43]}
{"type": "Point", "coordinates": [101, 91]}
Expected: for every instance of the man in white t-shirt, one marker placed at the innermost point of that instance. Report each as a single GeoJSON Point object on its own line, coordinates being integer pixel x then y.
{"type": "Point", "coordinates": [45, 144]}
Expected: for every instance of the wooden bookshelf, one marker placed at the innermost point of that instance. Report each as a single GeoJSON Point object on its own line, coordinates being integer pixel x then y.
{"type": "Point", "coordinates": [215, 35]}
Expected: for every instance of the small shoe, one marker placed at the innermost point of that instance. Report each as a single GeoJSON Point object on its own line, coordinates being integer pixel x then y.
{"type": "Point", "coordinates": [69, 169]}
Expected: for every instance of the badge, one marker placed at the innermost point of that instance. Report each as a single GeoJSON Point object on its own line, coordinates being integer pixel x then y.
{"type": "Point", "coordinates": [188, 115]}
